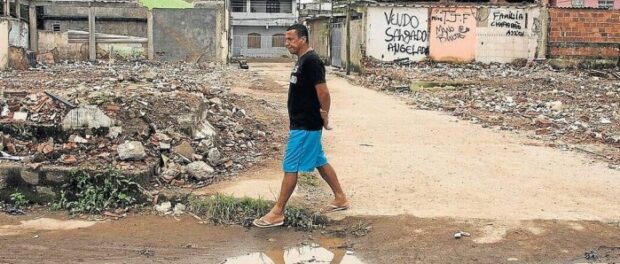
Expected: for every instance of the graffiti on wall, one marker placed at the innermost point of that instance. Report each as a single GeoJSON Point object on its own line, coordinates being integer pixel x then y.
{"type": "Point", "coordinates": [404, 35]}
{"type": "Point", "coordinates": [453, 34]}
{"type": "Point", "coordinates": [451, 25]}
{"type": "Point", "coordinates": [395, 33]}
{"type": "Point", "coordinates": [513, 21]}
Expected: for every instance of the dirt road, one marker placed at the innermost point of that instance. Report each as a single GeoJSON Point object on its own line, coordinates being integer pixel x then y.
{"type": "Point", "coordinates": [415, 176]}
{"type": "Point", "coordinates": [395, 160]}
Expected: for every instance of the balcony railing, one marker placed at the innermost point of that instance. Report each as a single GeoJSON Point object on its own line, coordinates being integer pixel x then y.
{"type": "Point", "coordinates": [263, 7]}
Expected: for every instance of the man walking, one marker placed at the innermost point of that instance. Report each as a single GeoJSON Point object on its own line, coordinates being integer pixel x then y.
{"type": "Point", "coordinates": [308, 109]}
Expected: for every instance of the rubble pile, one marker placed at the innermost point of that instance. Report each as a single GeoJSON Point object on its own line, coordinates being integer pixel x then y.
{"type": "Point", "coordinates": [177, 119]}
{"type": "Point", "coordinates": [573, 106]}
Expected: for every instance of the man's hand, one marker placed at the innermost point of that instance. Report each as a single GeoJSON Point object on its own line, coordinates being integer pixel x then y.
{"type": "Point", "coordinates": [325, 116]}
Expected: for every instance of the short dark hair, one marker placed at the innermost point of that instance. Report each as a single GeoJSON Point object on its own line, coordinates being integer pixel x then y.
{"type": "Point", "coordinates": [302, 31]}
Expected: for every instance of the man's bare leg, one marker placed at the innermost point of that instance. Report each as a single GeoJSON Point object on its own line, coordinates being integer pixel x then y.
{"type": "Point", "coordinates": [288, 186]}
{"type": "Point", "coordinates": [329, 175]}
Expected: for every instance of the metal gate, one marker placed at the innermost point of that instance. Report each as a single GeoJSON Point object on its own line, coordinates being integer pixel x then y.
{"type": "Point", "coordinates": [336, 45]}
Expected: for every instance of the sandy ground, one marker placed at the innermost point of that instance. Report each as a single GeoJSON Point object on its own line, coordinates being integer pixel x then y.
{"type": "Point", "coordinates": [395, 160]}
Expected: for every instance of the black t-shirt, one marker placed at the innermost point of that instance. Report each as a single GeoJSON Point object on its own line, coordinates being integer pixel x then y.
{"type": "Point", "coordinates": [303, 101]}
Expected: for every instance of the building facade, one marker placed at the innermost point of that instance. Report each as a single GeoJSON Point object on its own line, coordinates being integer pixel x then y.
{"type": "Point", "coordinates": [608, 4]}
{"type": "Point", "coordinates": [258, 27]}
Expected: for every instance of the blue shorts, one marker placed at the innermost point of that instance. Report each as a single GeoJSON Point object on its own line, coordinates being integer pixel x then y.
{"type": "Point", "coordinates": [304, 151]}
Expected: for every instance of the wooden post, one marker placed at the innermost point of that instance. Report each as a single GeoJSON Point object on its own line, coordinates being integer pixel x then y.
{"type": "Point", "coordinates": [34, 32]}
{"type": "Point", "coordinates": [149, 32]}
{"type": "Point", "coordinates": [92, 45]}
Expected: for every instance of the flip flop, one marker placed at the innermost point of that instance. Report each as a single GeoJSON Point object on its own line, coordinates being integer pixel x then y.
{"type": "Point", "coordinates": [334, 208]}
{"type": "Point", "coordinates": [260, 222]}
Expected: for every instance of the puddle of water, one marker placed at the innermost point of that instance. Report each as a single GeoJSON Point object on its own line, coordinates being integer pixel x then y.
{"type": "Point", "coordinates": [46, 224]}
{"type": "Point", "coordinates": [299, 255]}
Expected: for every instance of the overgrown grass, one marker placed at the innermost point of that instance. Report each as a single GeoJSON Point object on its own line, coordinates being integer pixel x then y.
{"type": "Point", "coordinates": [222, 209]}
{"type": "Point", "coordinates": [88, 192]}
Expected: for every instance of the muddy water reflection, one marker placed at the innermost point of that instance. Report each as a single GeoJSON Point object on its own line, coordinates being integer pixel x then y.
{"type": "Point", "coordinates": [306, 254]}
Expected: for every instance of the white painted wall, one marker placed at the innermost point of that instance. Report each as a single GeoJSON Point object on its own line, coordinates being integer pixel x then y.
{"type": "Point", "coordinates": [18, 34]}
{"type": "Point", "coordinates": [397, 32]}
{"type": "Point", "coordinates": [4, 44]}
{"type": "Point", "coordinates": [506, 34]}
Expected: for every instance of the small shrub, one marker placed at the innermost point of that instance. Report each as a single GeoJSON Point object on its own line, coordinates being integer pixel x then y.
{"type": "Point", "coordinates": [95, 192]}
{"type": "Point", "coordinates": [19, 200]}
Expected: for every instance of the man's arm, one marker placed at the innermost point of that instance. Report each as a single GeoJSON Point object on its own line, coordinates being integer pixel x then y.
{"type": "Point", "coordinates": [325, 101]}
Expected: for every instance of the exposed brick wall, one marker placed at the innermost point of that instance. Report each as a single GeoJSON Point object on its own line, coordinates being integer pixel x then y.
{"type": "Point", "coordinates": [584, 33]}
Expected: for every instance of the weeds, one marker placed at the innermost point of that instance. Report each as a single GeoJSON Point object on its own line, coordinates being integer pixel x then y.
{"type": "Point", "coordinates": [307, 179]}
{"type": "Point", "coordinates": [19, 200]}
{"type": "Point", "coordinates": [222, 209]}
{"type": "Point", "coordinates": [95, 192]}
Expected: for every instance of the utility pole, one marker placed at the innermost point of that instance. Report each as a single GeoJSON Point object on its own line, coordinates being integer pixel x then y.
{"type": "Point", "coordinates": [348, 65]}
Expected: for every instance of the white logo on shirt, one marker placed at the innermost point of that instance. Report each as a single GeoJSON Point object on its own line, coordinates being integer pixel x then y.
{"type": "Point", "coordinates": [293, 79]}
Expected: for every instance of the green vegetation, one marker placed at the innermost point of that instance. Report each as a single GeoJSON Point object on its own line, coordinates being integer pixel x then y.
{"type": "Point", "coordinates": [222, 209]}
{"type": "Point", "coordinates": [19, 200]}
{"type": "Point", "coordinates": [95, 192]}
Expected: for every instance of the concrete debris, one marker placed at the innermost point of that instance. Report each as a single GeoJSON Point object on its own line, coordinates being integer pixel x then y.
{"type": "Point", "coordinates": [132, 150]}
{"type": "Point", "coordinates": [184, 149]}
{"type": "Point", "coordinates": [214, 156]}
{"type": "Point", "coordinates": [461, 234]}
{"type": "Point", "coordinates": [114, 132]}
{"type": "Point", "coordinates": [556, 105]}
{"type": "Point", "coordinates": [179, 209]}
{"type": "Point", "coordinates": [164, 207]}
{"type": "Point", "coordinates": [200, 170]}
{"type": "Point", "coordinates": [20, 116]}
{"type": "Point", "coordinates": [130, 116]}
{"type": "Point", "coordinates": [86, 117]}
{"type": "Point", "coordinates": [204, 130]}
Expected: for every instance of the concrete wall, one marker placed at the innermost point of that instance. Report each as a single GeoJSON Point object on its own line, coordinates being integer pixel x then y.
{"type": "Point", "coordinates": [18, 34]}
{"type": "Point", "coordinates": [117, 21]}
{"type": "Point", "coordinates": [4, 44]}
{"type": "Point", "coordinates": [58, 42]}
{"type": "Point", "coordinates": [584, 33]}
{"type": "Point", "coordinates": [462, 34]}
{"type": "Point", "coordinates": [64, 49]}
{"type": "Point", "coordinates": [319, 37]}
{"type": "Point", "coordinates": [506, 34]}
{"type": "Point", "coordinates": [453, 34]}
{"type": "Point", "coordinates": [67, 11]}
{"type": "Point", "coordinates": [126, 28]}
{"type": "Point", "coordinates": [397, 32]}
{"type": "Point", "coordinates": [187, 34]}
{"type": "Point", "coordinates": [240, 42]}
{"type": "Point", "coordinates": [357, 38]}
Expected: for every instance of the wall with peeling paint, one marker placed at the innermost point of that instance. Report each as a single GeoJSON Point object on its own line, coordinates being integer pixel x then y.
{"type": "Point", "coordinates": [453, 34]}
{"type": "Point", "coordinates": [18, 34]}
{"type": "Point", "coordinates": [4, 44]}
{"type": "Point", "coordinates": [186, 34]}
{"type": "Point", "coordinates": [397, 32]}
{"type": "Point", "coordinates": [507, 34]}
